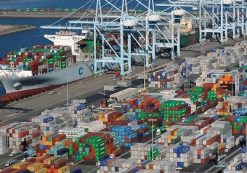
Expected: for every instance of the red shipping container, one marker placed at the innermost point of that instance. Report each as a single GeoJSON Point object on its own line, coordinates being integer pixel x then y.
{"type": "Point", "coordinates": [116, 152]}
{"type": "Point", "coordinates": [120, 122]}
{"type": "Point", "coordinates": [23, 134]}
{"type": "Point", "coordinates": [32, 159]}
{"type": "Point", "coordinates": [36, 134]}
{"type": "Point", "coordinates": [215, 138]}
{"type": "Point", "coordinates": [42, 158]}
{"type": "Point", "coordinates": [59, 137]}
{"type": "Point", "coordinates": [205, 161]}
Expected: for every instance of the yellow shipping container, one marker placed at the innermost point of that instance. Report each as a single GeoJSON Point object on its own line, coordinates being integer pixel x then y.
{"type": "Point", "coordinates": [43, 170]}
{"type": "Point", "coordinates": [120, 118]}
{"type": "Point", "coordinates": [175, 132]}
{"type": "Point", "coordinates": [170, 137]}
{"type": "Point", "coordinates": [18, 165]}
{"type": "Point", "coordinates": [63, 169]}
{"type": "Point", "coordinates": [221, 145]}
{"type": "Point", "coordinates": [34, 167]}
{"type": "Point", "coordinates": [48, 161]}
{"type": "Point", "coordinates": [48, 143]}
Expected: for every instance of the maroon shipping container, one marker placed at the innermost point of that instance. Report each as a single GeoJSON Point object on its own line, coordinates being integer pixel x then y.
{"type": "Point", "coordinates": [120, 122]}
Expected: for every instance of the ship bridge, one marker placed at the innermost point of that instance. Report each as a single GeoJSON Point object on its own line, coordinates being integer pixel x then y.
{"type": "Point", "coordinates": [67, 38]}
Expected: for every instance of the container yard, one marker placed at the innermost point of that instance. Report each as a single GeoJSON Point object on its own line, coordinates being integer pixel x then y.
{"type": "Point", "coordinates": [188, 115]}
{"type": "Point", "coordinates": [145, 131]}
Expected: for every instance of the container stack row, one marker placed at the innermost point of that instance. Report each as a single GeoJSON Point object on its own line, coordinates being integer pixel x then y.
{"type": "Point", "coordinates": [19, 135]}
{"type": "Point", "coordinates": [117, 165]}
{"type": "Point", "coordinates": [165, 78]}
{"type": "Point", "coordinates": [51, 121]}
{"type": "Point", "coordinates": [44, 164]}
{"type": "Point", "coordinates": [219, 58]}
{"type": "Point", "coordinates": [4, 143]}
{"type": "Point", "coordinates": [182, 155]}
{"type": "Point", "coordinates": [174, 110]}
{"type": "Point", "coordinates": [142, 151]}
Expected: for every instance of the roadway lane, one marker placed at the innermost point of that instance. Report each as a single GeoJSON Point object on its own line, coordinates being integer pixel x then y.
{"type": "Point", "coordinates": [227, 160]}
{"type": "Point", "coordinates": [6, 157]}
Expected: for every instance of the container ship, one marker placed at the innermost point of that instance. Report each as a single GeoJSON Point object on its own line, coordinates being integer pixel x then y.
{"type": "Point", "coordinates": [33, 70]}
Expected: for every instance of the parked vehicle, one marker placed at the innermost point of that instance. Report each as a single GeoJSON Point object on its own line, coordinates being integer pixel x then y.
{"type": "Point", "coordinates": [10, 162]}
{"type": "Point", "coordinates": [14, 152]}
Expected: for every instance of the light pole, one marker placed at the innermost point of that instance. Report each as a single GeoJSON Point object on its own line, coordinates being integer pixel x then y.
{"type": "Point", "coordinates": [67, 94]}
{"type": "Point", "coordinates": [144, 74]}
{"type": "Point", "coordinates": [152, 120]}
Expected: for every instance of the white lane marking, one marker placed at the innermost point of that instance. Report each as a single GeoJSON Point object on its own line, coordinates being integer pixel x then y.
{"type": "Point", "coordinates": [10, 115]}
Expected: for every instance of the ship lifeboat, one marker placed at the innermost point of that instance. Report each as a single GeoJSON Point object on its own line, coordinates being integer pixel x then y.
{"type": "Point", "coordinates": [154, 18]}
{"type": "Point", "coordinates": [194, 8]}
{"type": "Point", "coordinates": [129, 23]}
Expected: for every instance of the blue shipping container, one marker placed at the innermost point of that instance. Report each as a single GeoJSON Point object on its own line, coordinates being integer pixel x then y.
{"type": "Point", "coordinates": [62, 151]}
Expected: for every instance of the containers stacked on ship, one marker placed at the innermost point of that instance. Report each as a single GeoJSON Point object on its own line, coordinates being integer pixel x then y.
{"type": "Point", "coordinates": [39, 59]}
{"type": "Point", "coordinates": [87, 46]}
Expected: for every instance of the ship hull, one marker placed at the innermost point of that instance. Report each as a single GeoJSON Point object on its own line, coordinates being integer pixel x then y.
{"type": "Point", "coordinates": [43, 82]}
{"type": "Point", "coordinates": [7, 98]}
